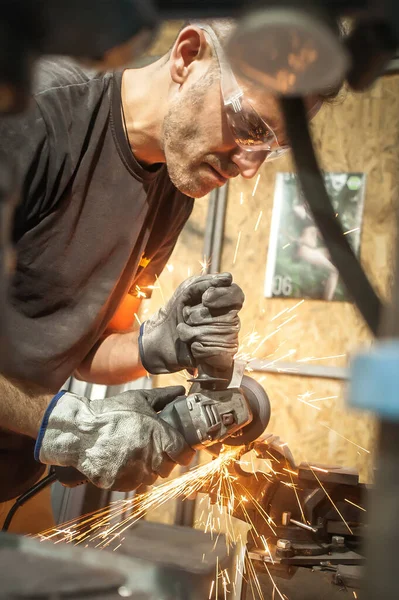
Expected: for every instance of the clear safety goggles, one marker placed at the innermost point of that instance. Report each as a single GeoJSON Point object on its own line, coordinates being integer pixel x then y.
{"type": "Point", "coordinates": [249, 130]}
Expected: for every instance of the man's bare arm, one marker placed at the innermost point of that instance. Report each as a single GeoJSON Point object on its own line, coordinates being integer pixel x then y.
{"type": "Point", "coordinates": [22, 407]}
{"type": "Point", "coordinates": [114, 360]}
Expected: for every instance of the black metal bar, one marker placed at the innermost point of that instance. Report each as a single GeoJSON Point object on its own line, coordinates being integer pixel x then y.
{"type": "Point", "coordinates": [382, 541]}
{"type": "Point", "coordinates": [310, 177]}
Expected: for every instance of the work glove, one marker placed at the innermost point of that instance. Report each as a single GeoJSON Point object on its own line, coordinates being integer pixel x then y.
{"type": "Point", "coordinates": [199, 324]}
{"type": "Point", "coordinates": [118, 443]}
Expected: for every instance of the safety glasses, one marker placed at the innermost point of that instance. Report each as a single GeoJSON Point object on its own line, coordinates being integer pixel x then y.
{"type": "Point", "coordinates": [249, 130]}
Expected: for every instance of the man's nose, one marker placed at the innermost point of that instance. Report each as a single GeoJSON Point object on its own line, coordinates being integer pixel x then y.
{"type": "Point", "coordinates": [248, 162]}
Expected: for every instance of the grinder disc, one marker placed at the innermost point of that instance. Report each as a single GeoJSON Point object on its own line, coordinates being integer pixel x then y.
{"type": "Point", "coordinates": [260, 407]}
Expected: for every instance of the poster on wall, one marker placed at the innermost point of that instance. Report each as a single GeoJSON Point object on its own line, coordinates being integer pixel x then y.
{"type": "Point", "coordinates": [298, 263]}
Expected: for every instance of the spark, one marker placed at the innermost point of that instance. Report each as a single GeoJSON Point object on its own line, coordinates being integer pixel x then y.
{"type": "Point", "coordinates": [297, 305]}
{"type": "Point", "coordinates": [267, 337]}
{"type": "Point", "coordinates": [170, 268]}
{"type": "Point", "coordinates": [345, 438]}
{"type": "Point", "coordinates": [254, 579]}
{"type": "Point", "coordinates": [325, 398]}
{"type": "Point", "coordinates": [300, 398]}
{"type": "Point", "coordinates": [205, 264]}
{"type": "Point", "coordinates": [354, 595]}
{"type": "Point", "coordinates": [296, 493]}
{"type": "Point", "coordinates": [287, 321]}
{"type": "Point", "coordinates": [266, 545]}
{"type": "Point", "coordinates": [276, 360]}
{"type": "Point", "coordinates": [189, 272]}
{"type": "Point", "coordinates": [212, 586]}
{"type": "Point", "coordinates": [137, 318]}
{"type": "Point", "coordinates": [351, 230]}
{"type": "Point", "coordinates": [331, 500]}
{"type": "Point", "coordinates": [286, 246]}
{"type": "Point", "coordinates": [258, 221]}
{"type": "Point", "coordinates": [289, 471]}
{"type": "Point", "coordinates": [242, 198]}
{"type": "Point", "coordinates": [217, 576]}
{"type": "Point", "coordinates": [256, 186]}
{"type": "Point", "coordinates": [357, 506]}
{"type": "Point", "coordinates": [237, 247]}
{"type": "Point", "coordinates": [279, 314]}
{"type": "Point", "coordinates": [318, 469]}
{"type": "Point", "coordinates": [274, 583]}
{"type": "Point", "coordinates": [104, 526]}
{"type": "Point", "coordinates": [139, 293]}
{"type": "Point", "coordinates": [268, 520]}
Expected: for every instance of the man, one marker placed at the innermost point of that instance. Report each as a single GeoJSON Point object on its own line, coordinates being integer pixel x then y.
{"type": "Point", "coordinates": [110, 164]}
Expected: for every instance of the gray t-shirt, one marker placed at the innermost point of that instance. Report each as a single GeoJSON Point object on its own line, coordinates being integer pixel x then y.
{"type": "Point", "coordinates": [92, 224]}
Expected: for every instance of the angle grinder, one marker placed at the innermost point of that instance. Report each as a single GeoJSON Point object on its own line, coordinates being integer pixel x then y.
{"type": "Point", "coordinates": [227, 408]}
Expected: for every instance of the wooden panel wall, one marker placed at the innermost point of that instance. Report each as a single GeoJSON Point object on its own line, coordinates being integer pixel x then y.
{"type": "Point", "coordinates": [359, 133]}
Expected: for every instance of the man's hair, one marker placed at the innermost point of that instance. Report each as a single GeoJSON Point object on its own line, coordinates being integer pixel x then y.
{"type": "Point", "coordinates": [224, 28]}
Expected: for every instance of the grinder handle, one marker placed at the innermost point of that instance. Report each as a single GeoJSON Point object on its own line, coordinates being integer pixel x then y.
{"type": "Point", "coordinates": [71, 477]}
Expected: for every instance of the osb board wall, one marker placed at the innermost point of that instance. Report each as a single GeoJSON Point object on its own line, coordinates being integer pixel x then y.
{"type": "Point", "coordinates": [358, 134]}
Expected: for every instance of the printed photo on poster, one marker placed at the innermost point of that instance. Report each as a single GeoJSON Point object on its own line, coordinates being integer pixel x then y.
{"type": "Point", "coordinates": [298, 263]}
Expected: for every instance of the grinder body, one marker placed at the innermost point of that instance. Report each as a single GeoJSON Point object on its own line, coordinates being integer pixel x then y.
{"type": "Point", "coordinates": [211, 414]}
{"type": "Point", "coordinates": [208, 417]}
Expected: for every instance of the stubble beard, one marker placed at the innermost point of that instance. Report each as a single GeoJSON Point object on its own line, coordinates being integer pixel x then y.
{"type": "Point", "coordinates": [181, 137]}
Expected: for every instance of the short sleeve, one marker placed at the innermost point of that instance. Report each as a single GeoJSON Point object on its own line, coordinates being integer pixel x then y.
{"type": "Point", "coordinates": [24, 148]}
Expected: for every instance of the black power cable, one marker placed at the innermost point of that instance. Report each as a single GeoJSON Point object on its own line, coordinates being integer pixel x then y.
{"type": "Point", "coordinates": [35, 489]}
{"type": "Point", "coordinates": [311, 179]}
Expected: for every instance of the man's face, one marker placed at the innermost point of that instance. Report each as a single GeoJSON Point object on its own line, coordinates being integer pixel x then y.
{"type": "Point", "coordinates": [199, 148]}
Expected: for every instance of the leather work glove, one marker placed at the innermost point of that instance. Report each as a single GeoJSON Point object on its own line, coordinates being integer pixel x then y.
{"type": "Point", "coordinates": [200, 323]}
{"type": "Point", "coordinates": [118, 443]}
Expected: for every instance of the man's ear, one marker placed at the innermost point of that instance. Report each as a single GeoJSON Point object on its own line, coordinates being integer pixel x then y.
{"type": "Point", "coordinates": [191, 45]}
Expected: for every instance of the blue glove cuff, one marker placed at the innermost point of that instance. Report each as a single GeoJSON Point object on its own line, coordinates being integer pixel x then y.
{"type": "Point", "coordinates": [44, 424]}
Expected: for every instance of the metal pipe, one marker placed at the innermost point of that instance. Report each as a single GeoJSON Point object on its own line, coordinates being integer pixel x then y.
{"type": "Point", "coordinates": [300, 369]}
{"type": "Point", "coordinates": [218, 230]}
{"type": "Point", "coordinates": [209, 228]}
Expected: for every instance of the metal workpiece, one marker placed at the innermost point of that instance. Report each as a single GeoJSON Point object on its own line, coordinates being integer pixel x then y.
{"type": "Point", "coordinates": [284, 544]}
{"type": "Point", "coordinates": [331, 474]}
{"type": "Point", "coordinates": [302, 369]}
{"type": "Point", "coordinates": [284, 548]}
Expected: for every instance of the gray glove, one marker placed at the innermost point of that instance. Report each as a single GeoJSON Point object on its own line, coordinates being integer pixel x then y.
{"type": "Point", "coordinates": [118, 443]}
{"type": "Point", "coordinates": [199, 324]}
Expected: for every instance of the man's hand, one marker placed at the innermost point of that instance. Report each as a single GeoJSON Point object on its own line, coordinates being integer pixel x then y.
{"type": "Point", "coordinates": [118, 443]}
{"type": "Point", "coordinates": [200, 323]}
